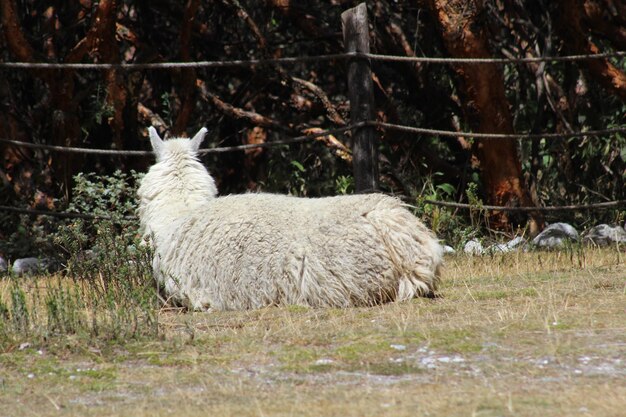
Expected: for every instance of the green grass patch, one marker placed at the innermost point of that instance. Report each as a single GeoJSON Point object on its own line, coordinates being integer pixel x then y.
{"type": "Point", "coordinates": [492, 295]}
{"type": "Point", "coordinates": [464, 340]}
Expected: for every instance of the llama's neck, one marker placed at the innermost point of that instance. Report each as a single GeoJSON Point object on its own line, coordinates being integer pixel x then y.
{"type": "Point", "coordinates": [173, 189]}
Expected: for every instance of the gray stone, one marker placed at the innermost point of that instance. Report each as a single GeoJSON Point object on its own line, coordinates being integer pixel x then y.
{"type": "Point", "coordinates": [603, 235]}
{"type": "Point", "coordinates": [29, 266]}
{"type": "Point", "coordinates": [515, 242]}
{"type": "Point", "coordinates": [555, 236]}
{"type": "Point", "coordinates": [3, 265]}
{"type": "Point", "coordinates": [473, 247]}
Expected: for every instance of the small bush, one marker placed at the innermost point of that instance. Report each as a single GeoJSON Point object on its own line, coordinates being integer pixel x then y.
{"type": "Point", "coordinates": [106, 290]}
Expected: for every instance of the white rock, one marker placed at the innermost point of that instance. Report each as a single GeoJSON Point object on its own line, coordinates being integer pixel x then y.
{"type": "Point", "coordinates": [603, 235]}
{"type": "Point", "coordinates": [428, 362]}
{"type": "Point", "coordinates": [555, 235]}
{"type": "Point", "coordinates": [398, 347]}
{"type": "Point", "coordinates": [448, 249]}
{"type": "Point", "coordinates": [515, 242]}
{"type": "Point", "coordinates": [451, 359]}
{"type": "Point", "coordinates": [506, 247]}
{"type": "Point", "coordinates": [473, 247]}
{"type": "Point", "coordinates": [324, 361]}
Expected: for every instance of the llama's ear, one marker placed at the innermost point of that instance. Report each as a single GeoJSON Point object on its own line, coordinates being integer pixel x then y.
{"type": "Point", "coordinates": [155, 140]}
{"type": "Point", "coordinates": [196, 141]}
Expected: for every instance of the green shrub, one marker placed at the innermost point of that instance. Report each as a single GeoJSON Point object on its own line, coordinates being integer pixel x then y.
{"type": "Point", "coordinates": [106, 290]}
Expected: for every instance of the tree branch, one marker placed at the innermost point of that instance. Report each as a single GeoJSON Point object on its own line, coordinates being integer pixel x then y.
{"type": "Point", "coordinates": [152, 118]}
{"type": "Point", "coordinates": [245, 16]}
{"type": "Point", "coordinates": [336, 146]}
{"type": "Point", "coordinates": [333, 114]}
{"type": "Point", "coordinates": [238, 113]}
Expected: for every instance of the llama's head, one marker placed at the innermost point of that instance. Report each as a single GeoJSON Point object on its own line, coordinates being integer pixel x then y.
{"type": "Point", "coordinates": [175, 147]}
{"type": "Point", "coordinates": [178, 182]}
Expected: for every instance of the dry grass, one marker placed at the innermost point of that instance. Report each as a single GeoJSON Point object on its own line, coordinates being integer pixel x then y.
{"type": "Point", "coordinates": [533, 334]}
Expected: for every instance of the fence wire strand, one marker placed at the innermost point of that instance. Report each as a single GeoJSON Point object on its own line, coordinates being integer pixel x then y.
{"type": "Point", "coordinates": [478, 135]}
{"type": "Point", "coordinates": [303, 59]}
{"type": "Point", "coordinates": [222, 149]}
{"type": "Point", "coordinates": [525, 60]}
{"type": "Point", "coordinates": [606, 205]}
{"type": "Point", "coordinates": [572, 207]}
{"type": "Point", "coordinates": [305, 138]}
{"type": "Point", "coordinates": [61, 214]}
{"type": "Point", "coordinates": [309, 137]}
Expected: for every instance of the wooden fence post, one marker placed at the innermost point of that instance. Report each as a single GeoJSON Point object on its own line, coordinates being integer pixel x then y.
{"type": "Point", "coordinates": [361, 95]}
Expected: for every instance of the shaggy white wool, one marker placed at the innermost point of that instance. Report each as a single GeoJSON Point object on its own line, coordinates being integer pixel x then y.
{"type": "Point", "coordinates": [254, 250]}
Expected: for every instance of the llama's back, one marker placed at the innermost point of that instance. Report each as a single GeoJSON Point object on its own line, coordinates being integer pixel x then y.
{"type": "Point", "coordinates": [253, 250]}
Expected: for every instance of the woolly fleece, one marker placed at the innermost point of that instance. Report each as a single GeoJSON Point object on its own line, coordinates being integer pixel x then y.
{"type": "Point", "coordinates": [253, 250]}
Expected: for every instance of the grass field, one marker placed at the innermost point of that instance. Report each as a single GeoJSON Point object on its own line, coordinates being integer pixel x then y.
{"type": "Point", "coordinates": [524, 334]}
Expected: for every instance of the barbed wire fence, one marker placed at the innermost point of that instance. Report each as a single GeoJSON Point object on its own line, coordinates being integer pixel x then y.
{"type": "Point", "coordinates": [359, 56]}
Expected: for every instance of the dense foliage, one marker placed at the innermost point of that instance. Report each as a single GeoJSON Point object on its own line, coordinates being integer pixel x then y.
{"type": "Point", "coordinates": [112, 108]}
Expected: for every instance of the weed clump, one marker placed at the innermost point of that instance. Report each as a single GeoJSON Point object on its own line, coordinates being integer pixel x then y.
{"type": "Point", "coordinates": [105, 291]}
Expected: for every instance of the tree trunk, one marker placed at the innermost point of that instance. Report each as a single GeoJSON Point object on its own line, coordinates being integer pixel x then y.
{"type": "Point", "coordinates": [188, 75]}
{"type": "Point", "coordinates": [575, 40]}
{"type": "Point", "coordinates": [486, 107]}
{"type": "Point", "coordinates": [65, 124]}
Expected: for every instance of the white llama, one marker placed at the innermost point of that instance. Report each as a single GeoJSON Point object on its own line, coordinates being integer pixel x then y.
{"type": "Point", "coordinates": [254, 250]}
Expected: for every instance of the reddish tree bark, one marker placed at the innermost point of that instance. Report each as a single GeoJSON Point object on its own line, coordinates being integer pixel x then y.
{"type": "Point", "coordinates": [21, 48]}
{"type": "Point", "coordinates": [607, 19]}
{"type": "Point", "coordinates": [99, 42]}
{"type": "Point", "coordinates": [486, 106]}
{"type": "Point", "coordinates": [108, 50]}
{"type": "Point", "coordinates": [569, 24]}
{"type": "Point", "coordinates": [188, 75]}
{"type": "Point", "coordinates": [16, 168]}
{"type": "Point", "coordinates": [15, 38]}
